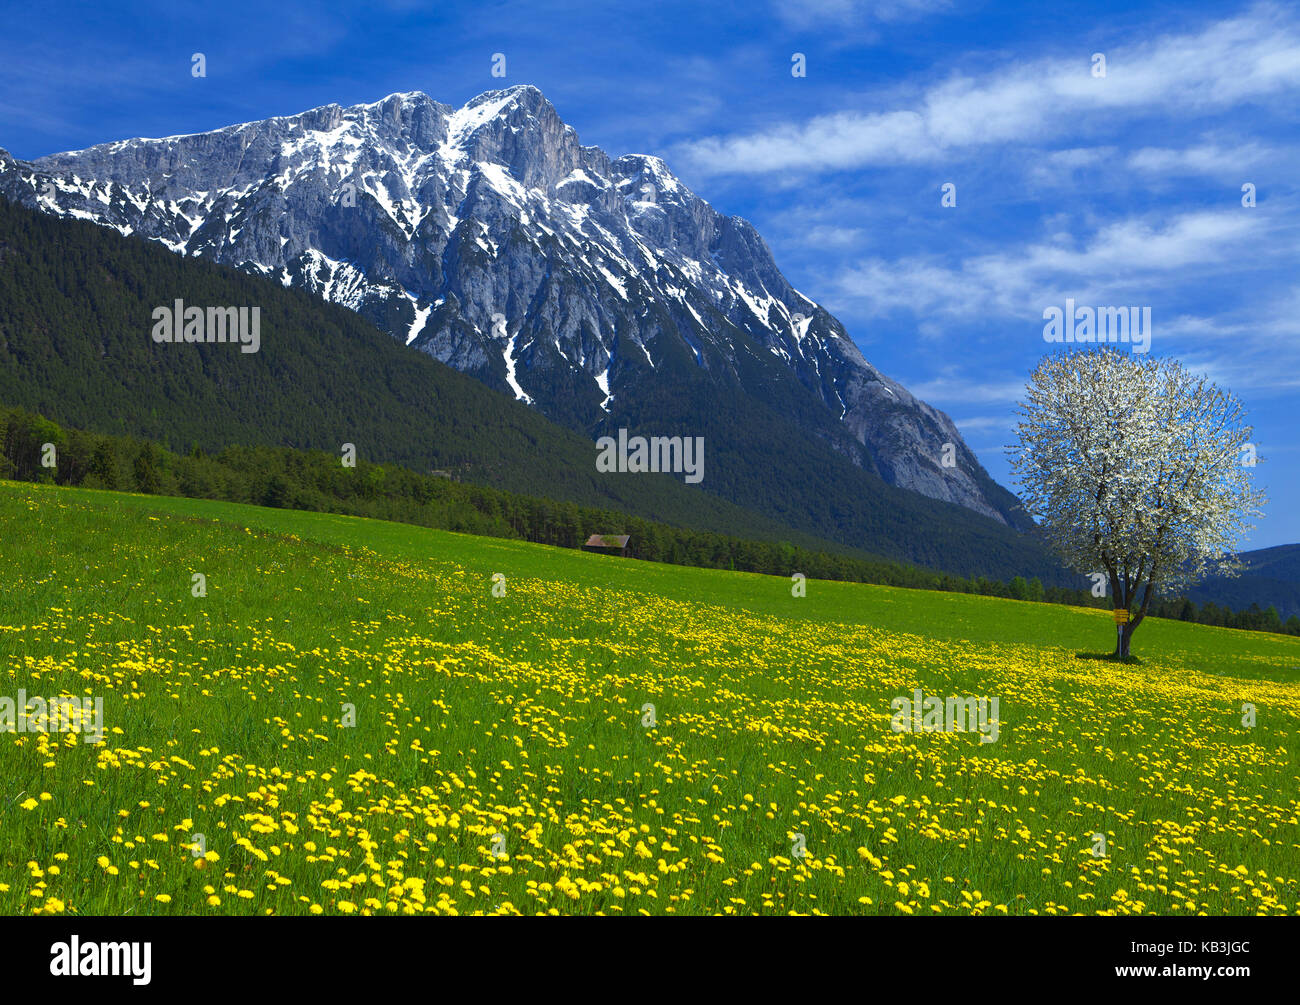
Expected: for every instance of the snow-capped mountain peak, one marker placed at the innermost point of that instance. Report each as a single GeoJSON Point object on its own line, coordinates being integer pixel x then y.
{"type": "Point", "coordinates": [490, 238]}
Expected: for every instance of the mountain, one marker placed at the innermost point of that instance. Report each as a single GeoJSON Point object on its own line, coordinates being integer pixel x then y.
{"type": "Point", "coordinates": [1270, 578]}
{"type": "Point", "coordinates": [76, 301]}
{"type": "Point", "coordinates": [601, 291]}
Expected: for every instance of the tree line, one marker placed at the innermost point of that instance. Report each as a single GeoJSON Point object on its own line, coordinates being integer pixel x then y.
{"type": "Point", "coordinates": [34, 449]}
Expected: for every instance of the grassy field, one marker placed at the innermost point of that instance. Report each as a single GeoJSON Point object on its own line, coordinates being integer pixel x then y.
{"type": "Point", "coordinates": [502, 758]}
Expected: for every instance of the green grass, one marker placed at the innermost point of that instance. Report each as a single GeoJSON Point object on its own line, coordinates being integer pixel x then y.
{"type": "Point", "coordinates": [522, 716]}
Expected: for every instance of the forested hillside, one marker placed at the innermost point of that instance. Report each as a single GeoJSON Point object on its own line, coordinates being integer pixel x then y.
{"type": "Point", "coordinates": [34, 449]}
{"type": "Point", "coordinates": [76, 302]}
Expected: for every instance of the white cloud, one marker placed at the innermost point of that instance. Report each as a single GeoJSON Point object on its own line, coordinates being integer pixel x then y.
{"type": "Point", "coordinates": [951, 389]}
{"type": "Point", "coordinates": [1004, 422]}
{"type": "Point", "coordinates": [822, 236]}
{"type": "Point", "coordinates": [1252, 57]}
{"type": "Point", "coordinates": [1120, 260]}
{"type": "Point", "coordinates": [1204, 159]}
{"type": "Point", "coordinates": [813, 13]}
{"type": "Point", "coordinates": [1060, 166]}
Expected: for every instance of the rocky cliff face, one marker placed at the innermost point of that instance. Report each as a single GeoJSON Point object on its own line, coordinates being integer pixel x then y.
{"type": "Point", "coordinates": [490, 238]}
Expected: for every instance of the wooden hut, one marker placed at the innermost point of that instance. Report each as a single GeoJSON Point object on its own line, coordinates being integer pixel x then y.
{"type": "Point", "coordinates": [607, 544]}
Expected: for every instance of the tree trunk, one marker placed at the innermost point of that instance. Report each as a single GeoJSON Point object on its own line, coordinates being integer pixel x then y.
{"type": "Point", "coordinates": [1124, 591]}
{"type": "Point", "coordinates": [1123, 635]}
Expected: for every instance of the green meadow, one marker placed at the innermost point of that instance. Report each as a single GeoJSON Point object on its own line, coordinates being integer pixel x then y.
{"type": "Point", "coordinates": [354, 716]}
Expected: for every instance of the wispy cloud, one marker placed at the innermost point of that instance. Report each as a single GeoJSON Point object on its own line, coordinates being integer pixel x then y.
{"type": "Point", "coordinates": [1205, 159]}
{"type": "Point", "coordinates": [820, 13]}
{"type": "Point", "coordinates": [952, 389]}
{"type": "Point", "coordinates": [1252, 57]}
{"type": "Point", "coordinates": [1121, 258]}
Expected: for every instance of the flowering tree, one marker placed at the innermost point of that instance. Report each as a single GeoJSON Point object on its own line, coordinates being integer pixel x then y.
{"type": "Point", "coordinates": [1136, 469]}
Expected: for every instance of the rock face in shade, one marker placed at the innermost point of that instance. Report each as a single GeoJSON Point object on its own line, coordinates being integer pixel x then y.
{"type": "Point", "coordinates": [490, 238]}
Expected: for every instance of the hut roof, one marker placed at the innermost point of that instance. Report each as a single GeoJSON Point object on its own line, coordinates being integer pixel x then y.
{"type": "Point", "coordinates": [608, 540]}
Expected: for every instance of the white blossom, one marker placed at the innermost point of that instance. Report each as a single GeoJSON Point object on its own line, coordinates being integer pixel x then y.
{"type": "Point", "coordinates": [1134, 467]}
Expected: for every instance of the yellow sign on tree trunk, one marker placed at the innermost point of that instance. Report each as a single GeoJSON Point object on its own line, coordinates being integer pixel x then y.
{"type": "Point", "coordinates": [1121, 615]}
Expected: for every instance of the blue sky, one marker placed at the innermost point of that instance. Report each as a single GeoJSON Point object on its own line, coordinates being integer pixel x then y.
{"type": "Point", "coordinates": [1124, 189]}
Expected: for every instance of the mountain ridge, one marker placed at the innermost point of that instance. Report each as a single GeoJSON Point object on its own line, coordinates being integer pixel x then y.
{"type": "Point", "coordinates": [75, 346]}
{"type": "Point", "coordinates": [601, 270]}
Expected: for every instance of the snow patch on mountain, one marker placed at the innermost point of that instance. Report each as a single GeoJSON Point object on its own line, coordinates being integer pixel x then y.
{"type": "Point", "coordinates": [429, 219]}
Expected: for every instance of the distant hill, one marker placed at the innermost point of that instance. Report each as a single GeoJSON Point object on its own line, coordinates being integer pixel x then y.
{"type": "Point", "coordinates": [1271, 578]}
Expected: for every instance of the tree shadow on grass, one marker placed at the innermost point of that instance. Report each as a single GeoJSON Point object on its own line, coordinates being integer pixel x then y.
{"type": "Point", "coordinates": [1109, 658]}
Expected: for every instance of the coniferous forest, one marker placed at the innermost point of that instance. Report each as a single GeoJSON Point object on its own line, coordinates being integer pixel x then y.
{"type": "Point", "coordinates": [314, 480]}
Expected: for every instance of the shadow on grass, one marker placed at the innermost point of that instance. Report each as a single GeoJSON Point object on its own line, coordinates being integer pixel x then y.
{"type": "Point", "coordinates": [1109, 658]}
